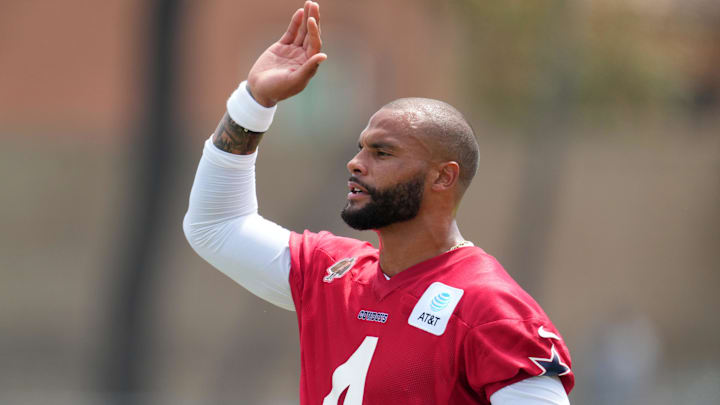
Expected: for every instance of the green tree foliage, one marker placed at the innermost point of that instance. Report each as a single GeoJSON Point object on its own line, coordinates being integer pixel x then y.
{"type": "Point", "coordinates": [525, 58]}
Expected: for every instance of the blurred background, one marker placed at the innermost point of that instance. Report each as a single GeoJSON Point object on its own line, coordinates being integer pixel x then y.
{"type": "Point", "coordinates": [598, 189]}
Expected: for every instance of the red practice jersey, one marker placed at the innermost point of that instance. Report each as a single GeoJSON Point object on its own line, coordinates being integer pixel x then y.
{"type": "Point", "coordinates": [450, 330]}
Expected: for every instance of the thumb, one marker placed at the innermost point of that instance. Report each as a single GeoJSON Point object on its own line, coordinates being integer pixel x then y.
{"type": "Point", "coordinates": [308, 69]}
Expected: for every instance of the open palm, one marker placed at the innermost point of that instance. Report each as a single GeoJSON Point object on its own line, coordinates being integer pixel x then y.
{"type": "Point", "coordinates": [286, 67]}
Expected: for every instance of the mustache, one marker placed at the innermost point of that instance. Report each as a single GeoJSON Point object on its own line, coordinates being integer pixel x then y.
{"type": "Point", "coordinates": [370, 189]}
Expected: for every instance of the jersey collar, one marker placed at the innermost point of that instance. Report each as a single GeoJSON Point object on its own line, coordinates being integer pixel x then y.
{"type": "Point", "coordinates": [429, 268]}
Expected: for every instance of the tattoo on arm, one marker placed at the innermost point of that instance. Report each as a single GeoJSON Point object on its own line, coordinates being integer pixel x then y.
{"type": "Point", "coordinates": [233, 138]}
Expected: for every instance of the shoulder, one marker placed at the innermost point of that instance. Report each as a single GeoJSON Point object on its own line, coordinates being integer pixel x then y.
{"type": "Point", "coordinates": [329, 245]}
{"type": "Point", "coordinates": [317, 256]}
{"type": "Point", "coordinates": [509, 337]}
{"type": "Point", "coordinates": [489, 293]}
{"type": "Point", "coordinates": [312, 252]}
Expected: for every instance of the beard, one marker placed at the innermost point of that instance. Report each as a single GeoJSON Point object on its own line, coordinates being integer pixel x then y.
{"type": "Point", "coordinates": [397, 203]}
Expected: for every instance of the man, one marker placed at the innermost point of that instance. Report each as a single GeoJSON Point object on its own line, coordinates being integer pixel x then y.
{"type": "Point", "coordinates": [428, 318]}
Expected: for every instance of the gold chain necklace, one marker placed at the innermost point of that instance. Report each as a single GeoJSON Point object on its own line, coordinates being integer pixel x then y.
{"type": "Point", "coordinates": [461, 244]}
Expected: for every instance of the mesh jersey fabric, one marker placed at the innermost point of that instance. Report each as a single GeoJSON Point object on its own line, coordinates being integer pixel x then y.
{"type": "Point", "coordinates": [492, 339]}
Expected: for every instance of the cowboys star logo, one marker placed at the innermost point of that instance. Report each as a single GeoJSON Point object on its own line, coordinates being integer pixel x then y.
{"type": "Point", "coordinates": [552, 365]}
{"type": "Point", "coordinates": [339, 269]}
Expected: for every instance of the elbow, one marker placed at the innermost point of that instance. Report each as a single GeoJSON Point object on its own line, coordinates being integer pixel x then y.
{"type": "Point", "coordinates": [193, 233]}
{"type": "Point", "coordinates": [205, 237]}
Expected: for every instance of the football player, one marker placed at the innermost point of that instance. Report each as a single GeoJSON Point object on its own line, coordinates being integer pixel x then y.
{"type": "Point", "coordinates": [427, 318]}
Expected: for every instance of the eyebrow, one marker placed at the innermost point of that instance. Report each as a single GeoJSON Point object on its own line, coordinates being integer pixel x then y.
{"type": "Point", "coordinates": [379, 145]}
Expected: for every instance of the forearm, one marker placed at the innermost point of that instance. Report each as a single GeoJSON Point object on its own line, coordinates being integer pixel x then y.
{"type": "Point", "coordinates": [231, 137]}
{"type": "Point", "coordinates": [244, 123]}
{"type": "Point", "coordinates": [224, 186]}
{"type": "Point", "coordinates": [222, 222]}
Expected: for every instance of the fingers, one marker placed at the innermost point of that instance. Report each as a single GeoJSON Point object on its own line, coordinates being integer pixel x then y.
{"type": "Point", "coordinates": [292, 29]}
{"type": "Point", "coordinates": [308, 69]}
{"type": "Point", "coordinates": [300, 37]}
{"type": "Point", "coordinates": [314, 42]}
{"type": "Point", "coordinates": [315, 12]}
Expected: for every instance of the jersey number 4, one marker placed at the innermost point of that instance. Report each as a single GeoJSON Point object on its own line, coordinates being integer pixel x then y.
{"type": "Point", "coordinates": [351, 375]}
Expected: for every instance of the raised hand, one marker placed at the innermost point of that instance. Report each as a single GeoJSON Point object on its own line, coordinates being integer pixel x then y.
{"type": "Point", "coordinates": [286, 67]}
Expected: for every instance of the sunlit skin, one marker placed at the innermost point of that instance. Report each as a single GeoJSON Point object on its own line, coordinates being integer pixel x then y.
{"type": "Point", "coordinates": [286, 67]}
{"type": "Point", "coordinates": [393, 150]}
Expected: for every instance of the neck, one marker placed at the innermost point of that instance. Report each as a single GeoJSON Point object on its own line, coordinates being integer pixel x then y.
{"type": "Point", "coordinates": [408, 243]}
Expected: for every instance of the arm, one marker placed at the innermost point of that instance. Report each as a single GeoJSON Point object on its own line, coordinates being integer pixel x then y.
{"type": "Point", "coordinates": [222, 223]}
{"type": "Point", "coordinates": [223, 226]}
{"type": "Point", "coordinates": [541, 390]}
{"type": "Point", "coordinates": [510, 361]}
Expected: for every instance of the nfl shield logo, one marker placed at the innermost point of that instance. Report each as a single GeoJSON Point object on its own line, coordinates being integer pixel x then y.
{"type": "Point", "coordinates": [339, 269]}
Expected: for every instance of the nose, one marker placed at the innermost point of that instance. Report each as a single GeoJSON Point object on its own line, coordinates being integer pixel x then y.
{"type": "Point", "coordinates": [355, 165]}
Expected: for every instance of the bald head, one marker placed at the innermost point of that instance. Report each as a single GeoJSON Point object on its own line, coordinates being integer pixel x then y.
{"type": "Point", "coordinates": [448, 132]}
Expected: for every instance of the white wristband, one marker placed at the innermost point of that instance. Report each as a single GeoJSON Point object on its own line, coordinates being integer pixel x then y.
{"type": "Point", "coordinates": [248, 113]}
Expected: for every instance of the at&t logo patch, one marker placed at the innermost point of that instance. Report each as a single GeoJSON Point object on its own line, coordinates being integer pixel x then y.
{"type": "Point", "coordinates": [434, 309]}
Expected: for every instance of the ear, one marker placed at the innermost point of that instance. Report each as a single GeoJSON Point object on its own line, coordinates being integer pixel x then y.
{"type": "Point", "coordinates": [448, 174]}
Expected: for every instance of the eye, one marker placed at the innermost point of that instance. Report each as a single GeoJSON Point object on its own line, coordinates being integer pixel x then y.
{"type": "Point", "coordinates": [381, 153]}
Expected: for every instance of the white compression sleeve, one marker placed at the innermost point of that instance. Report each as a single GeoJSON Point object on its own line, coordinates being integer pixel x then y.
{"type": "Point", "coordinates": [541, 390]}
{"type": "Point", "coordinates": [224, 228]}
